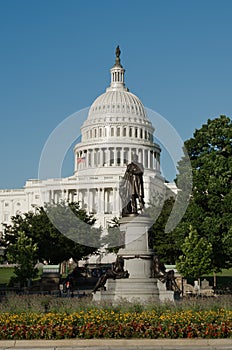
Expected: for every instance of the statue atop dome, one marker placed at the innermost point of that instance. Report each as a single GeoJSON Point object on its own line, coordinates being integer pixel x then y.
{"type": "Point", "coordinates": [118, 51]}
{"type": "Point", "coordinates": [117, 60]}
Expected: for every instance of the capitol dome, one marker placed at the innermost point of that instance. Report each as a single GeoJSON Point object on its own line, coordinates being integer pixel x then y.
{"type": "Point", "coordinates": [116, 129]}
{"type": "Point", "coordinates": [117, 106]}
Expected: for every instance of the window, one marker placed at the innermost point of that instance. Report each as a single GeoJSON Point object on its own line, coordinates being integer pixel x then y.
{"type": "Point", "coordinates": [95, 157]}
{"type": "Point", "coordinates": [118, 131]}
{"type": "Point", "coordinates": [124, 131]}
{"type": "Point", "coordinates": [130, 132]}
{"type": "Point", "coordinates": [104, 157]}
{"type": "Point", "coordinates": [111, 157]}
{"type": "Point", "coordinates": [125, 157]}
{"type": "Point", "coordinates": [136, 132]}
{"type": "Point", "coordinates": [118, 157]}
{"type": "Point", "coordinates": [112, 131]}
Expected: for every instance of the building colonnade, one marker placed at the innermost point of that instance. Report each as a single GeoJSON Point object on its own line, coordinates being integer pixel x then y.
{"type": "Point", "coordinates": [96, 199]}
{"type": "Point", "coordinates": [116, 156]}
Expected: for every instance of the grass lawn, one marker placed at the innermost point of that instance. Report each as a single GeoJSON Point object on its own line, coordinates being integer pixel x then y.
{"type": "Point", "coordinates": [5, 274]}
{"type": "Point", "coordinates": [225, 273]}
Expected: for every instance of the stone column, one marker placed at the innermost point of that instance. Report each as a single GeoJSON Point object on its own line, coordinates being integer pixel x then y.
{"type": "Point", "coordinates": [115, 156]}
{"type": "Point", "coordinates": [122, 156]}
{"type": "Point", "coordinates": [81, 198]}
{"type": "Point", "coordinates": [98, 200]}
{"type": "Point", "coordinates": [103, 200]}
{"type": "Point", "coordinates": [101, 156]}
{"type": "Point", "coordinates": [154, 160]}
{"type": "Point", "coordinates": [88, 200]}
{"type": "Point", "coordinates": [117, 201]}
{"type": "Point", "coordinates": [114, 200]}
{"type": "Point", "coordinates": [75, 163]}
{"type": "Point", "coordinates": [149, 159]}
{"type": "Point", "coordinates": [129, 155]}
{"type": "Point", "coordinates": [158, 161]}
{"type": "Point", "coordinates": [144, 158]}
{"type": "Point", "coordinates": [106, 200]}
{"type": "Point", "coordinates": [87, 158]}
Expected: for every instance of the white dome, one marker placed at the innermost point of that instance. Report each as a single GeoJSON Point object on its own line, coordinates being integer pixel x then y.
{"type": "Point", "coordinates": [114, 102]}
{"type": "Point", "coordinates": [117, 104]}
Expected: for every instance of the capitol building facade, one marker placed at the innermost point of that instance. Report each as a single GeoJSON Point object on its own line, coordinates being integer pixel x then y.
{"type": "Point", "coordinates": [116, 128]}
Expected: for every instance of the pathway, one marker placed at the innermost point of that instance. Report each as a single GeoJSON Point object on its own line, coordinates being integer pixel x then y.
{"type": "Point", "coordinates": [118, 344]}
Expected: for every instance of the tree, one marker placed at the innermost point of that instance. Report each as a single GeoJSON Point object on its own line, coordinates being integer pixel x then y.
{"type": "Point", "coordinates": [115, 239]}
{"type": "Point", "coordinates": [24, 253]}
{"type": "Point", "coordinates": [209, 210]}
{"type": "Point", "coordinates": [196, 258]}
{"type": "Point", "coordinates": [164, 243]}
{"type": "Point", "coordinates": [44, 226]}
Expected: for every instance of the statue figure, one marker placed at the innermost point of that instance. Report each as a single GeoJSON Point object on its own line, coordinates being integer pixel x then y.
{"type": "Point", "coordinates": [131, 188]}
{"type": "Point", "coordinates": [117, 59]}
{"type": "Point", "coordinates": [117, 52]}
{"type": "Point", "coordinates": [116, 272]}
{"type": "Point", "coordinates": [158, 268]}
{"type": "Point", "coordinates": [167, 277]}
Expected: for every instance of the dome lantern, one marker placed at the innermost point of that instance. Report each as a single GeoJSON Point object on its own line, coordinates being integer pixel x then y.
{"type": "Point", "coordinates": [117, 74]}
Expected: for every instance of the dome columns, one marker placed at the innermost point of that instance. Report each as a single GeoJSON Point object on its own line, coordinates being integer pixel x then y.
{"type": "Point", "coordinates": [116, 156]}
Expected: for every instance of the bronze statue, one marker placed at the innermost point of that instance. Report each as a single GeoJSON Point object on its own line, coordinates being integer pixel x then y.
{"type": "Point", "coordinates": [132, 188]}
{"type": "Point", "coordinates": [158, 268]}
{"type": "Point", "coordinates": [116, 272]}
{"type": "Point", "coordinates": [117, 59]}
{"type": "Point", "coordinates": [117, 52]}
{"type": "Point", "coordinates": [167, 277]}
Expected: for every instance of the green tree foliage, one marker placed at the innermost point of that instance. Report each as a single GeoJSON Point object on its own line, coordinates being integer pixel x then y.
{"type": "Point", "coordinates": [114, 239]}
{"type": "Point", "coordinates": [164, 243]}
{"type": "Point", "coordinates": [196, 258]}
{"type": "Point", "coordinates": [24, 253]}
{"type": "Point", "coordinates": [209, 210]}
{"type": "Point", "coordinates": [44, 227]}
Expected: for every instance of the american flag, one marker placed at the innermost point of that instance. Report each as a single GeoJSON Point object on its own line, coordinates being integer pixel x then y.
{"type": "Point", "coordinates": [80, 160]}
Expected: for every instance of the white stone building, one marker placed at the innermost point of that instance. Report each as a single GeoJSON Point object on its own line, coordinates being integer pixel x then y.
{"type": "Point", "coordinates": [116, 128]}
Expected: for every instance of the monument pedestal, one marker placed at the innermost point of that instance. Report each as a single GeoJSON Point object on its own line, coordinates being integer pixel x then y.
{"type": "Point", "coordinates": [138, 261]}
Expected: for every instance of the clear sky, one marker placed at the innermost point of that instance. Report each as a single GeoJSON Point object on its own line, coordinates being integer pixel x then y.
{"type": "Point", "coordinates": [56, 55]}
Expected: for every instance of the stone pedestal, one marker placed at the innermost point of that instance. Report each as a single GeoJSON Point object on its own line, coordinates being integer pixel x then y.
{"type": "Point", "coordinates": [138, 261]}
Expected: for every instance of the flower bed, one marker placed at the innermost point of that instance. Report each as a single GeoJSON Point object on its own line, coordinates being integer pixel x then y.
{"type": "Point", "coordinates": [96, 323]}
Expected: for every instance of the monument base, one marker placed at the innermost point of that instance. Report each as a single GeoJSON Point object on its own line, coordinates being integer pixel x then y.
{"type": "Point", "coordinates": [138, 261]}
{"type": "Point", "coordinates": [131, 289]}
{"type": "Point", "coordinates": [141, 290]}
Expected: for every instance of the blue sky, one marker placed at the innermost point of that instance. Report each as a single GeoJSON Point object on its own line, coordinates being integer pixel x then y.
{"type": "Point", "coordinates": [56, 55]}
